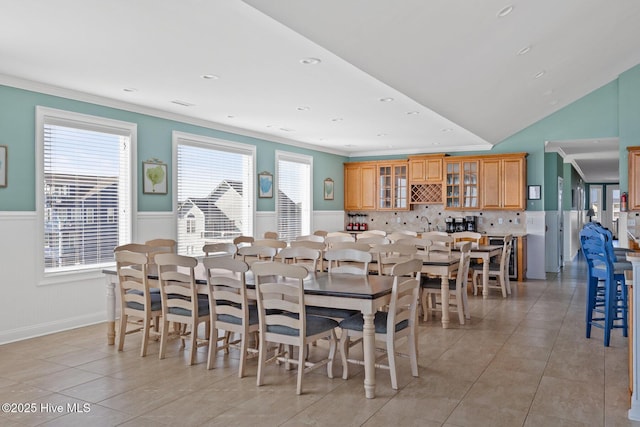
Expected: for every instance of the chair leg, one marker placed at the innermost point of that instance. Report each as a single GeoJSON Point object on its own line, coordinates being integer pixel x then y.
{"type": "Point", "coordinates": [413, 352]}
{"type": "Point", "coordinates": [301, 367]}
{"type": "Point", "coordinates": [503, 285]}
{"type": "Point", "coordinates": [243, 354]}
{"type": "Point", "coordinates": [474, 280]}
{"type": "Point", "coordinates": [460, 307]}
{"type": "Point", "coordinates": [123, 331]}
{"type": "Point", "coordinates": [213, 346]}
{"type": "Point", "coordinates": [332, 353]}
{"type": "Point", "coordinates": [163, 339]}
{"type": "Point", "coordinates": [194, 343]}
{"type": "Point", "coordinates": [425, 310]}
{"type": "Point", "coordinates": [344, 354]}
{"type": "Point", "coordinates": [391, 355]}
{"type": "Point", "coordinates": [262, 349]}
{"type": "Point", "coordinates": [146, 326]}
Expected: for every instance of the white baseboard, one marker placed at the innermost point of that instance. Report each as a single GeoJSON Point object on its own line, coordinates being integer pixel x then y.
{"type": "Point", "coordinates": [41, 329]}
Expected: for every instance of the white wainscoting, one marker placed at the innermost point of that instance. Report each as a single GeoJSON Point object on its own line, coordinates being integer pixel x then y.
{"type": "Point", "coordinates": [535, 244]}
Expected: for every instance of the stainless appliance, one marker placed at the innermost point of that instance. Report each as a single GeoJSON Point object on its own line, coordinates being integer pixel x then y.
{"type": "Point", "coordinates": [460, 224]}
{"type": "Point", "coordinates": [513, 258]}
{"type": "Point", "coordinates": [471, 222]}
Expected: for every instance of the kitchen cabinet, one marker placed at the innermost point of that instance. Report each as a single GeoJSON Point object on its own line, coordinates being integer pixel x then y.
{"type": "Point", "coordinates": [503, 181]}
{"type": "Point", "coordinates": [461, 186]}
{"type": "Point", "coordinates": [634, 175]}
{"type": "Point", "coordinates": [425, 178]}
{"type": "Point", "coordinates": [360, 186]}
{"type": "Point", "coordinates": [393, 185]}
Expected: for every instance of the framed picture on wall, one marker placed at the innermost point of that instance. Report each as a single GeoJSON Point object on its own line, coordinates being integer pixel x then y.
{"type": "Point", "coordinates": [3, 165]}
{"type": "Point", "coordinates": [154, 178]}
{"type": "Point", "coordinates": [535, 192]}
{"type": "Point", "coordinates": [328, 189]}
{"type": "Point", "coordinates": [265, 185]}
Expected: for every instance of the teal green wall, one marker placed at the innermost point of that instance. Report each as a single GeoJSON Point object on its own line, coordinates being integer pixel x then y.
{"type": "Point", "coordinates": [17, 131]}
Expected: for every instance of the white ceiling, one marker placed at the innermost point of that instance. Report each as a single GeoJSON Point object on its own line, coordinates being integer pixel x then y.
{"type": "Point", "coordinates": [451, 66]}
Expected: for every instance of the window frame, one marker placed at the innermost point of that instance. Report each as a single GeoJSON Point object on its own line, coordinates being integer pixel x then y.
{"type": "Point", "coordinates": [46, 115]}
{"type": "Point", "coordinates": [212, 143]}
{"type": "Point", "coordinates": [298, 158]}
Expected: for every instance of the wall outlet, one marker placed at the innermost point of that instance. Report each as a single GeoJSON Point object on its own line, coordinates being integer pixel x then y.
{"type": "Point", "coordinates": [499, 220]}
{"type": "Point", "coordinates": [631, 222]}
{"type": "Point", "coordinates": [517, 220]}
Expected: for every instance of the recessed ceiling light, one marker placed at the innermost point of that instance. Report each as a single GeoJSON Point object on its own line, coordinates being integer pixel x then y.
{"type": "Point", "coordinates": [231, 117]}
{"type": "Point", "coordinates": [446, 130]}
{"type": "Point", "coordinates": [554, 102]}
{"type": "Point", "coordinates": [303, 108]}
{"type": "Point", "coordinates": [337, 119]}
{"type": "Point", "coordinates": [524, 50]}
{"type": "Point", "coordinates": [182, 103]}
{"type": "Point", "coordinates": [286, 130]}
{"type": "Point", "coordinates": [382, 134]}
{"type": "Point", "coordinates": [130, 89]}
{"type": "Point", "coordinates": [505, 11]}
{"type": "Point", "coordinates": [435, 143]}
{"type": "Point", "coordinates": [349, 145]}
{"type": "Point", "coordinates": [210, 77]}
{"type": "Point", "coordinates": [539, 74]}
{"type": "Point", "coordinates": [547, 92]}
{"type": "Point", "coordinates": [386, 99]}
{"type": "Point", "coordinates": [310, 61]}
{"type": "Point", "coordinates": [413, 113]}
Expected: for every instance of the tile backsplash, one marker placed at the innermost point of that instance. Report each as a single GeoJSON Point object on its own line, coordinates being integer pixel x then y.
{"type": "Point", "coordinates": [423, 218]}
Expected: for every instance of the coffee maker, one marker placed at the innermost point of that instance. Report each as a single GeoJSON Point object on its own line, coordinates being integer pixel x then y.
{"type": "Point", "coordinates": [459, 224]}
{"type": "Point", "coordinates": [450, 226]}
{"type": "Point", "coordinates": [471, 223]}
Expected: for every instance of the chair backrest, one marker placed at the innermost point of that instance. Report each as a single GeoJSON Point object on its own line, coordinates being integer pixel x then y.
{"type": "Point", "coordinates": [336, 238]}
{"type": "Point", "coordinates": [160, 246]}
{"type": "Point", "coordinates": [400, 234]}
{"type": "Point", "coordinates": [280, 289]}
{"type": "Point", "coordinates": [133, 247]}
{"type": "Point", "coordinates": [215, 249]}
{"type": "Point", "coordinates": [506, 253]}
{"type": "Point", "coordinates": [322, 233]}
{"type": "Point", "coordinates": [466, 236]}
{"type": "Point", "coordinates": [351, 245]}
{"type": "Point", "coordinates": [250, 254]}
{"type": "Point", "coordinates": [440, 244]}
{"type": "Point", "coordinates": [421, 245]}
{"type": "Point", "coordinates": [300, 255]}
{"type": "Point", "coordinates": [310, 237]}
{"type": "Point", "coordinates": [373, 240]}
{"type": "Point", "coordinates": [178, 288]}
{"type": "Point", "coordinates": [270, 235]}
{"type": "Point", "coordinates": [227, 288]}
{"type": "Point", "coordinates": [404, 295]}
{"type": "Point", "coordinates": [131, 268]}
{"type": "Point", "coordinates": [342, 261]}
{"type": "Point", "coordinates": [241, 241]}
{"type": "Point", "coordinates": [270, 243]}
{"type": "Point", "coordinates": [308, 244]}
{"type": "Point", "coordinates": [370, 233]}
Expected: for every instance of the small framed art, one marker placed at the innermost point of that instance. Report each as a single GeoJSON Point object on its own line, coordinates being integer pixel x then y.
{"type": "Point", "coordinates": [265, 185]}
{"type": "Point", "coordinates": [328, 189]}
{"type": "Point", "coordinates": [154, 176]}
{"type": "Point", "coordinates": [535, 192]}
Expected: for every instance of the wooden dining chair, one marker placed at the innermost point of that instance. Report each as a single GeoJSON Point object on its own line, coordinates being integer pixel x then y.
{"type": "Point", "coordinates": [371, 233]}
{"type": "Point", "coordinates": [319, 246]}
{"type": "Point", "coordinates": [251, 254]}
{"type": "Point", "coordinates": [499, 271]}
{"type": "Point", "coordinates": [440, 244]}
{"type": "Point", "coordinates": [351, 261]}
{"type": "Point", "coordinates": [400, 321]}
{"type": "Point", "coordinates": [138, 305]}
{"type": "Point", "coordinates": [270, 235]}
{"type": "Point", "coordinates": [271, 243]}
{"type": "Point", "coordinates": [219, 249]}
{"type": "Point", "coordinates": [373, 240]}
{"type": "Point", "coordinates": [310, 237]}
{"type": "Point", "coordinates": [230, 310]}
{"type": "Point", "coordinates": [330, 240]}
{"type": "Point", "coordinates": [400, 234]}
{"type": "Point", "coordinates": [322, 233]}
{"type": "Point", "coordinates": [160, 246]}
{"type": "Point", "coordinates": [391, 254]}
{"type": "Point", "coordinates": [181, 302]}
{"type": "Point", "coordinates": [431, 289]}
{"type": "Point", "coordinates": [242, 241]}
{"type": "Point", "coordinates": [283, 319]}
{"type": "Point", "coordinates": [466, 236]}
{"type": "Point", "coordinates": [300, 255]}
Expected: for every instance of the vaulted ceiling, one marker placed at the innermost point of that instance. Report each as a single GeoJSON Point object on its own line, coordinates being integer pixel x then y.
{"type": "Point", "coordinates": [359, 77]}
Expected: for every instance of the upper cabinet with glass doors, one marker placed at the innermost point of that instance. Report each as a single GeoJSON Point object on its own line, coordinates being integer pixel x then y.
{"type": "Point", "coordinates": [461, 187]}
{"type": "Point", "coordinates": [393, 186]}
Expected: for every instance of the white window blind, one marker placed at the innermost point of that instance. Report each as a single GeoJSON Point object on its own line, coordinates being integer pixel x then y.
{"type": "Point", "coordinates": [86, 192]}
{"type": "Point", "coordinates": [294, 195]}
{"type": "Point", "coordinates": [215, 188]}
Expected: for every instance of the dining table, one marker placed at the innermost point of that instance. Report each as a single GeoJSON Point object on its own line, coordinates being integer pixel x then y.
{"type": "Point", "coordinates": [366, 293]}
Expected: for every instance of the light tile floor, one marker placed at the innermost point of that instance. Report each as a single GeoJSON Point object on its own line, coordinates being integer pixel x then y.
{"type": "Point", "coordinates": [521, 361]}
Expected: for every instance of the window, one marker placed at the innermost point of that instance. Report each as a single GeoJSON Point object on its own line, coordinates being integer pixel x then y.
{"type": "Point", "coordinates": [293, 195]}
{"type": "Point", "coordinates": [84, 188]}
{"type": "Point", "coordinates": [215, 184]}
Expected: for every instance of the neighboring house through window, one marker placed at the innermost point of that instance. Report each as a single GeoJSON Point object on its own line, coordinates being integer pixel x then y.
{"type": "Point", "coordinates": [84, 188]}
{"type": "Point", "coordinates": [294, 194]}
{"type": "Point", "coordinates": [215, 184]}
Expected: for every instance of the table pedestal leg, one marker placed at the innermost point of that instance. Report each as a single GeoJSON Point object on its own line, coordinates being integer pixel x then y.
{"type": "Point", "coordinates": [369, 347]}
{"type": "Point", "coordinates": [485, 277]}
{"type": "Point", "coordinates": [111, 311]}
{"type": "Point", "coordinates": [444, 297]}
